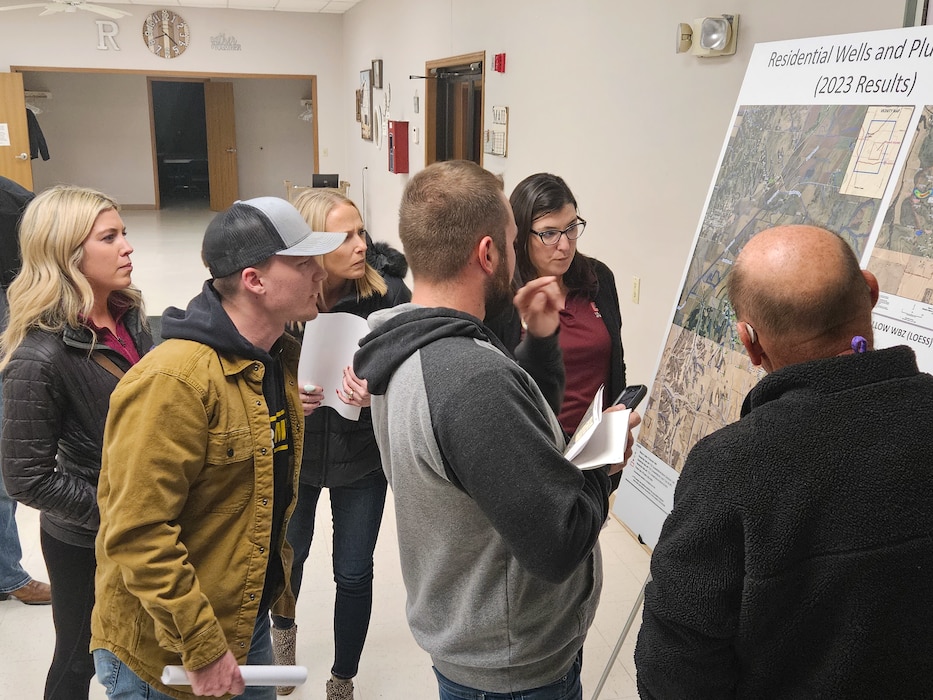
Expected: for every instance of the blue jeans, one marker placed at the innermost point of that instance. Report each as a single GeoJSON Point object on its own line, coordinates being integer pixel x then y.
{"type": "Point", "coordinates": [12, 574]}
{"type": "Point", "coordinates": [122, 684]}
{"type": "Point", "coordinates": [357, 515]}
{"type": "Point", "coordinates": [567, 687]}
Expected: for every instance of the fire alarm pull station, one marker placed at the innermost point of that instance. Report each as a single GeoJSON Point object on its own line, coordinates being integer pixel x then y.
{"type": "Point", "coordinates": [398, 147]}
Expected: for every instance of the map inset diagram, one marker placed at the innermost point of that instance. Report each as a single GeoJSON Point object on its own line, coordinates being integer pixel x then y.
{"type": "Point", "coordinates": [902, 258]}
{"type": "Point", "coordinates": [878, 144]}
{"type": "Point", "coordinates": [825, 165]}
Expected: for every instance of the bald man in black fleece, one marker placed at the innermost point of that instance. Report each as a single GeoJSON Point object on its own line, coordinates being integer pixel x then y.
{"type": "Point", "coordinates": [798, 559]}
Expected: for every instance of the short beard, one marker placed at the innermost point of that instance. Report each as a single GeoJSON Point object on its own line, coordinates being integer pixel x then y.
{"type": "Point", "coordinates": [499, 293]}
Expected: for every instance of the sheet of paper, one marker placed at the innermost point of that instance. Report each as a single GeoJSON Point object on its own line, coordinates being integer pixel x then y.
{"type": "Point", "coordinates": [587, 425]}
{"type": "Point", "coordinates": [607, 443]}
{"type": "Point", "coordinates": [4, 134]}
{"type": "Point", "coordinates": [330, 342]}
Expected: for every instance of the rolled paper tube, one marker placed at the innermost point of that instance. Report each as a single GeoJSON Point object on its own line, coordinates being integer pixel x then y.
{"type": "Point", "coordinates": [252, 675]}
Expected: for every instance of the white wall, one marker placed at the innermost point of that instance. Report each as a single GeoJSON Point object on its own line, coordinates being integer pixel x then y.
{"type": "Point", "coordinates": [97, 128]}
{"type": "Point", "coordinates": [635, 129]}
{"type": "Point", "coordinates": [116, 107]}
{"type": "Point", "coordinates": [273, 144]}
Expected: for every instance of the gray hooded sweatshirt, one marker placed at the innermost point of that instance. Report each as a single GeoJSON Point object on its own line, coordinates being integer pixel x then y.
{"type": "Point", "coordinates": [497, 531]}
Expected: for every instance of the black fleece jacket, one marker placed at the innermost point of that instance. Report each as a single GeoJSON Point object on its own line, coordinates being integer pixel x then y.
{"type": "Point", "coordinates": [798, 559]}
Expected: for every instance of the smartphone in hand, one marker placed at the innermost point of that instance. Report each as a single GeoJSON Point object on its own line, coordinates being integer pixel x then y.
{"type": "Point", "coordinates": [631, 396]}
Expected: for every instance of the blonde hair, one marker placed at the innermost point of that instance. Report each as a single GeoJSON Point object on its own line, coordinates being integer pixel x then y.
{"type": "Point", "coordinates": [315, 206]}
{"type": "Point", "coordinates": [51, 292]}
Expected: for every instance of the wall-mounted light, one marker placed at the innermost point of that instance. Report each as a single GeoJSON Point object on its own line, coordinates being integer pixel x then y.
{"type": "Point", "coordinates": [708, 36]}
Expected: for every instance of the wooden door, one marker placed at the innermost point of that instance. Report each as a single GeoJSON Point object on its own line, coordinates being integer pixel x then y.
{"type": "Point", "coordinates": [15, 163]}
{"type": "Point", "coordinates": [221, 144]}
{"type": "Point", "coordinates": [453, 124]}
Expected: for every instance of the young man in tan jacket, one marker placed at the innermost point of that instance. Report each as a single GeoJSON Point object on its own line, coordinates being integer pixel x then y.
{"type": "Point", "coordinates": [200, 465]}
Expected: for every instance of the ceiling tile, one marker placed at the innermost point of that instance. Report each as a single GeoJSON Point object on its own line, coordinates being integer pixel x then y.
{"type": "Point", "coordinates": [211, 4]}
{"type": "Point", "coordinates": [300, 5]}
{"type": "Point", "coordinates": [250, 4]}
{"type": "Point", "coordinates": [325, 6]}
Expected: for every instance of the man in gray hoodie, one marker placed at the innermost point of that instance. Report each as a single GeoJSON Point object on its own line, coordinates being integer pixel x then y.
{"type": "Point", "coordinates": [497, 531]}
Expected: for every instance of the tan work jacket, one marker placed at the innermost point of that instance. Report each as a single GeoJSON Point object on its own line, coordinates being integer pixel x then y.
{"type": "Point", "coordinates": [185, 496]}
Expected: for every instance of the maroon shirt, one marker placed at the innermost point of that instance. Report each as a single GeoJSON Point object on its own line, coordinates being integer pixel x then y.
{"type": "Point", "coordinates": [122, 342]}
{"type": "Point", "coordinates": [585, 343]}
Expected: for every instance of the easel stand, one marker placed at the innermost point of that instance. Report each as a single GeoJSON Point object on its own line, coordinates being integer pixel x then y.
{"type": "Point", "coordinates": [625, 630]}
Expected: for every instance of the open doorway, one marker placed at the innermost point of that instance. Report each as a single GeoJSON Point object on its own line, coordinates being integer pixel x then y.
{"type": "Point", "coordinates": [180, 128]}
{"type": "Point", "coordinates": [100, 125]}
{"type": "Point", "coordinates": [454, 108]}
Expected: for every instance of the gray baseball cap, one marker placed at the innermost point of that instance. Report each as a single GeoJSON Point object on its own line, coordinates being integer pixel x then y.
{"type": "Point", "coordinates": [254, 230]}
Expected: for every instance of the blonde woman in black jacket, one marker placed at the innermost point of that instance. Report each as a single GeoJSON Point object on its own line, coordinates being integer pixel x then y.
{"type": "Point", "coordinates": [339, 454]}
{"type": "Point", "coordinates": [76, 325]}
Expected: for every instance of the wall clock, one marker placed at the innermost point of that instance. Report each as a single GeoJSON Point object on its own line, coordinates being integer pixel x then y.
{"type": "Point", "coordinates": [166, 34]}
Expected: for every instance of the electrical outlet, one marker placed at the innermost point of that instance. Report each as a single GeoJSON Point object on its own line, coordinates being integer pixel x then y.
{"type": "Point", "coordinates": [636, 289]}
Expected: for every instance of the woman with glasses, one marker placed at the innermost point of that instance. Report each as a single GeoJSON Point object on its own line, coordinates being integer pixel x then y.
{"type": "Point", "coordinates": [549, 226]}
{"type": "Point", "coordinates": [342, 454]}
{"type": "Point", "coordinates": [76, 325]}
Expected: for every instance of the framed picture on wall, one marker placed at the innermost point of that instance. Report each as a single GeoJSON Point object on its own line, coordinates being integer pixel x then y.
{"type": "Point", "coordinates": [377, 74]}
{"type": "Point", "coordinates": [359, 95]}
{"type": "Point", "coordinates": [366, 104]}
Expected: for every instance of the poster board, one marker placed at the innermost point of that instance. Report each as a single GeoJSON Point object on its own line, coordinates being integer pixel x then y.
{"type": "Point", "coordinates": [831, 131]}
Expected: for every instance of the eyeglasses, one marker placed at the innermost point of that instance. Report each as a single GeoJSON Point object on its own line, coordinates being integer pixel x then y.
{"type": "Point", "coordinates": [552, 236]}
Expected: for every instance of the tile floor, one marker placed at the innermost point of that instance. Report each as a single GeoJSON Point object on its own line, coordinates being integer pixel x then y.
{"type": "Point", "coordinates": [169, 271]}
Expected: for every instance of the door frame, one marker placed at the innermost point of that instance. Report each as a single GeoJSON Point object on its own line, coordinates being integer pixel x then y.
{"type": "Point", "coordinates": [431, 68]}
{"type": "Point", "coordinates": [180, 76]}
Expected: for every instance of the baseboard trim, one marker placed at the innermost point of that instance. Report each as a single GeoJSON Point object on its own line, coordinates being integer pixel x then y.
{"type": "Point", "coordinates": [138, 207]}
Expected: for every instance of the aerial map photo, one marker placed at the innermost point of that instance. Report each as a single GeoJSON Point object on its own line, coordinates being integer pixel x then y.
{"type": "Point", "coordinates": [826, 165]}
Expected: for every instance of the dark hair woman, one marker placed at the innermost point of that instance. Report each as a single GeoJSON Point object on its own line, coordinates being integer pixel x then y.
{"type": "Point", "coordinates": [549, 226]}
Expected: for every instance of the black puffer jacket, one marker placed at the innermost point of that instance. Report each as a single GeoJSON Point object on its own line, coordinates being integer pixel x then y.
{"type": "Point", "coordinates": [338, 451]}
{"type": "Point", "coordinates": [55, 400]}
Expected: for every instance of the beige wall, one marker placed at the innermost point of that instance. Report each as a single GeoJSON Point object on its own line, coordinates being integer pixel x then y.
{"type": "Point", "coordinates": [595, 91]}
{"type": "Point", "coordinates": [97, 128]}
{"type": "Point", "coordinates": [597, 95]}
{"type": "Point", "coordinates": [109, 113]}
